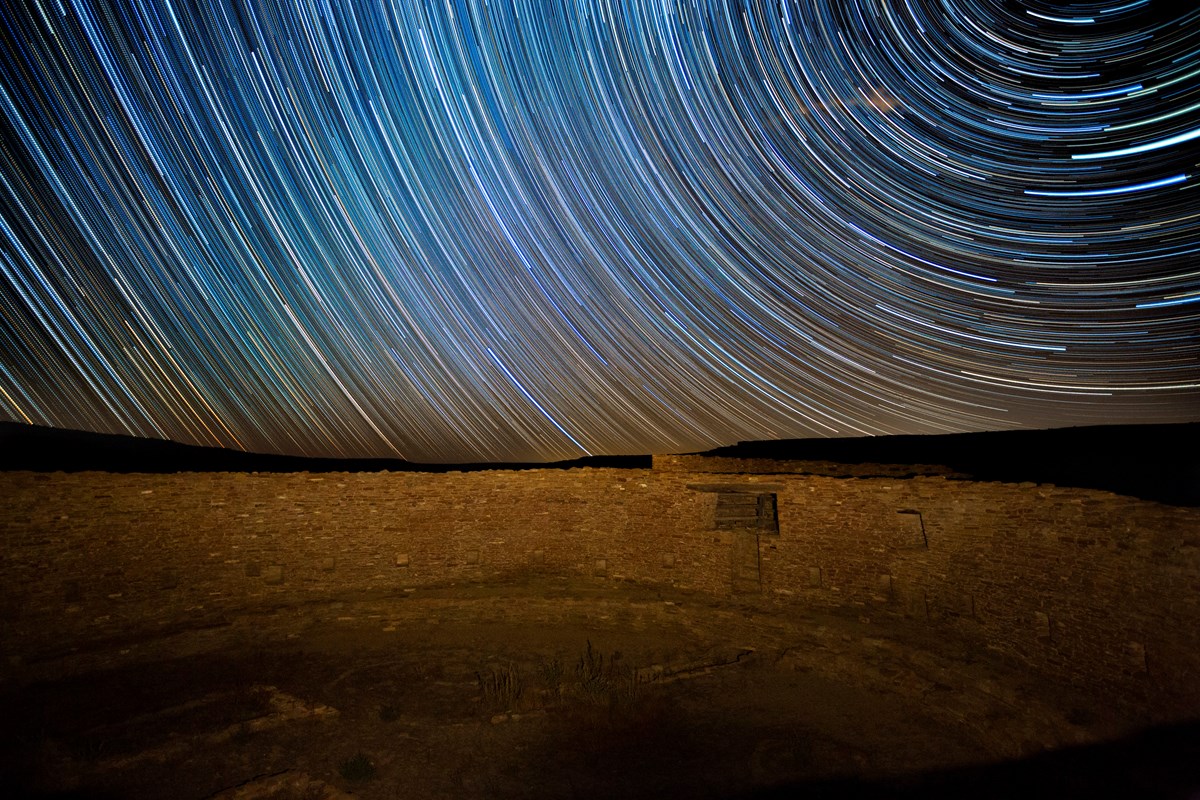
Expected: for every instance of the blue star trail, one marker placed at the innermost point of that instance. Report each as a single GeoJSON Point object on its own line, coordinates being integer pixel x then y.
{"type": "Point", "coordinates": [541, 229]}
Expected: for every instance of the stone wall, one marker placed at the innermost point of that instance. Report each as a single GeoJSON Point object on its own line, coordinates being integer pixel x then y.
{"type": "Point", "coordinates": [1085, 586]}
{"type": "Point", "coordinates": [1091, 587]}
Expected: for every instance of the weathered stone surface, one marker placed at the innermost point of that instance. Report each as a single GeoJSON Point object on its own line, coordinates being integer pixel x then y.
{"type": "Point", "coordinates": [92, 557]}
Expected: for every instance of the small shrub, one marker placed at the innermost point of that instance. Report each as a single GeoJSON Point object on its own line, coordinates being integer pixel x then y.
{"type": "Point", "coordinates": [552, 674]}
{"type": "Point", "coordinates": [610, 681]}
{"type": "Point", "coordinates": [590, 672]}
{"type": "Point", "coordinates": [357, 768]}
{"type": "Point", "coordinates": [501, 686]}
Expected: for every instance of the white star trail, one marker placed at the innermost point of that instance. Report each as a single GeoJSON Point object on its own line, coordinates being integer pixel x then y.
{"type": "Point", "coordinates": [534, 230]}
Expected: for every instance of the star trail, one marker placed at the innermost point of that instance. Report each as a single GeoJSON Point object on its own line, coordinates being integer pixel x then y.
{"type": "Point", "coordinates": [528, 230]}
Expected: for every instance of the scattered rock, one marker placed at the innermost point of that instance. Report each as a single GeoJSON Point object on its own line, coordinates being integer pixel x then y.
{"type": "Point", "coordinates": [283, 786]}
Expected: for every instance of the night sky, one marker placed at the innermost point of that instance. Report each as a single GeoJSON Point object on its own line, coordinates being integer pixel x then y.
{"type": "Point", "coordinates": [541, 229]}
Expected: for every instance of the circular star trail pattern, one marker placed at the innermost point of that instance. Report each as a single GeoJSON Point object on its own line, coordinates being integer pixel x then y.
{"type": "Point", "coordinates": [539, 229]}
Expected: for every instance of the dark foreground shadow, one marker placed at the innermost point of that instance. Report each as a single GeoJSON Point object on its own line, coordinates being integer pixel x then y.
{"type": "Point", "coordinates": [1159, 764]}
{"type": "Point", "coordinates": [644, 762]}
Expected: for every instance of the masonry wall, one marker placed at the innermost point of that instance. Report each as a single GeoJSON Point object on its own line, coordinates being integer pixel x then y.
{"type": "Point", "coordinates": [1091, 587]}
{"type": "Point", "coordinates": [1085, 586]}
{"type": "Point", "coordinates": [93, 557]}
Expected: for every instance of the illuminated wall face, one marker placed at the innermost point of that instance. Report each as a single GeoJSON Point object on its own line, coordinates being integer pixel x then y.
{"type": "Point", "coordinates": [481, 231]}
{"type": "Point", "coordinates": [1081, 586]}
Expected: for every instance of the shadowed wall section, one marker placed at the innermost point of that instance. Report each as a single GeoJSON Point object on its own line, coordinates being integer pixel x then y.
{"type": "Point", "coordinates": [1089, 587]}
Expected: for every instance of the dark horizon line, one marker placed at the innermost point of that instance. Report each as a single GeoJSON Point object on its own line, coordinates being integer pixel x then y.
{"type": "Point", "coordinates": [166, 455]}
{"type": "Point", "coordinates": [1153, 461]}
{"type": "Point", "coordinates": [862, 449]}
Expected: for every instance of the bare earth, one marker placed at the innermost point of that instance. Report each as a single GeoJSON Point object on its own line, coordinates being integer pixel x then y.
{"type": "Point", "coordinates": [554, 690]}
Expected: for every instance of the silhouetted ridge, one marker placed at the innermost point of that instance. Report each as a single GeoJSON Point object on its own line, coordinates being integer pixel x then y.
{"type": "Point", "coordinates": [1154, 462]}
{"type": "Point", "coordinates": [40, 449]}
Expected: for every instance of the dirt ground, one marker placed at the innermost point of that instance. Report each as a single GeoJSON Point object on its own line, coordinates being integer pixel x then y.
{"type": "Point", "coordinates": [558, 690]}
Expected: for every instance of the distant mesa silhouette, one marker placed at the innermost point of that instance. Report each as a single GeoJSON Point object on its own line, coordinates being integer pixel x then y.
{"type": "Point", "coordinates": [1153, 462]}
{"type": "Point", "coordinates": [43, 449]}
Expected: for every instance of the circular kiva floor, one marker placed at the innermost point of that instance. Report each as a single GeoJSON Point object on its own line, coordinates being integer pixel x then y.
{"type": "Point", "coordinates": [555, 690]}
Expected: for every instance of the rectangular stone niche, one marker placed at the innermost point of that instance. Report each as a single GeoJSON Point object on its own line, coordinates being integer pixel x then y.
{"type": "Point", "coordinates": [273, 575]}
{"type": "Point", "coordinates": [601, 568]}
{"type": "Point", "coordinates": [912, 526]}
{"type": "Point", "coordinates": [1041, 622]}
{"type": "Point", "coordinates": [402, 559]}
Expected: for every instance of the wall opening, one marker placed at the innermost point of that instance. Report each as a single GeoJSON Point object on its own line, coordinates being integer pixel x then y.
{"type": "Point", "coordinates": [748, 511]}
{"type": "Point", "coordinates": [748, 515]}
